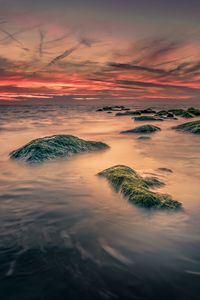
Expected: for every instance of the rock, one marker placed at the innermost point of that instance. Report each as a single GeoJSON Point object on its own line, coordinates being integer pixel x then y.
{"type": "Point", "coordinates": [137, 189]}
{"type": "Point", "coordinates": [194, 111]}
{"type": "Point", "coordinates": [107, 108]}
{"type": "Point", "coordinates": [153, 182]}
{"type": "Point", "coordinates": [162, 113]}
{"type": "Point", "coordinates": [113, 108]}
{"type": "Point", "coordinates": [143, 129]}
{"type": "Point", "coordinates": [165, 170]}
{"type": "Point", "coordinates": [147, 111]}
{"type": "Point", "coordinates": [187, 115]}
{"type": "Point", "coordinates": [177, 112]}
{"type": "Point", "coordinates": [56, 146]}
{"type": "Point", "coordinates": [128, 113]}
{"type": "Point", "coordinates": [147, 118]}
{"type": "Point", "coordinates": [109, 112]}
{"type": "Point", "coordinates": [192, 127]}
{"type": "Point", "coordinates": [144, 138]}
{"type": "Point", "coordinates": [170, 115]}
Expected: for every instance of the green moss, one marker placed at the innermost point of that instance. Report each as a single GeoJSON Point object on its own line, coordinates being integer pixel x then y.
{"type": "Point", "coordinates": [192, 127]}
{"type": "Point", "coordinates": [177, 112]}
{"type": "Point", "coordinates": [187, 115]}
{"type": "Point", "coordinates": [143, 129]}
{"type": "Point", "coordinates": [52, 147]}
{"type": "Point", "coordinates": [147, 118]}
{"type": "Point", "coordinates": [136, 188]}
{"type": "Point", "coordinates": [194, 111]}
{"type": "Point", "coordinates": [153, 182]}
{"type": "Point", "coordinates": [162, 113]}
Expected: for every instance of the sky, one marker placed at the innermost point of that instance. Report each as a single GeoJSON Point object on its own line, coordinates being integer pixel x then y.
{"type": "Point", "coordinates": [99, 49]}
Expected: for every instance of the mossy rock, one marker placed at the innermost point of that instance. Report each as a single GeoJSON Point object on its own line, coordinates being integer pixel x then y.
{"type": "Point", "coordinates": [56, 146]}
{"type": "Point", "coordinates": [177, 112]}
{"type": "Point", "coordinates": [194, 111]}
{"type": "Point", "coordinates": [147, 118]}
{"type": "Point", "coordinates": [143, 129]}
{"type": "Point", "coordinates": [187, 115]}
{"type": "Point", "coordinates": [162, 113]}
{"type": "Point", "coordinates": [137, 189]}
{"type": "Point", "coordinates": [165, 114]}
{"type": "Point", "coordinates": [128, 113]}
{"type": "Point", "coordinates": [192, 127]}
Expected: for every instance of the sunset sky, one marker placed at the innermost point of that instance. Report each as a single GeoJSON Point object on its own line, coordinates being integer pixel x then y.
{"type": "Point", "coordinates": [94, 49]}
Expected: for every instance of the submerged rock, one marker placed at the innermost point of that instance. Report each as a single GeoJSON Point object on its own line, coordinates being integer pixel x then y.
{"type": "Point", "coordinates": [166, 170]}
{"type": "Point", "coordinates": [147, 118]}
{"type": "Point", "coordinates": [143, 129]}
{"type": "Point", "coordinates": [128, 113]}
{"type": "Point", "coordinates": [144, 137]}
{"type": "Point", "coordinates": [137, 189]}
{"type": "Point", "coordinates": [52, 147]}
{"type": "Point", "coordinates": [192, 127]}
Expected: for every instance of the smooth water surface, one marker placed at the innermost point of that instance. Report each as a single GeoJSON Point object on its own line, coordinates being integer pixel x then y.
{"type": "Point", "coordinates": [65, 234]}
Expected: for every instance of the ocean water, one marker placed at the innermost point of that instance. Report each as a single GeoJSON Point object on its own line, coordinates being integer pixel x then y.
{"type": "Point", "coordinates": [66, 234]}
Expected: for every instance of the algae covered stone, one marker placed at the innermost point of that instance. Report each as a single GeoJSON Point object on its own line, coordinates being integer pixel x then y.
{"type": "Point", "coordinates": [147, 118]}
{"type": "Point", "coordinates": [187, 115]}
{"type": "Point", "coordinates": [194, 111]}
{"type": "Point", "coordinates": [143, 129]}
{"type": "Point", "coordinates": [137, 189]}
{"type": "Point", "coordinates": [56, 146]}
{"type": "Point", "coordinates": [192, 127]}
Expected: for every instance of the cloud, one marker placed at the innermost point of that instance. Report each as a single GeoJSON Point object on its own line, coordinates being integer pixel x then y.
{"type": "Point", "coordinates": [127, 66]}
{"type": "Point", "coordinates": [146, 84]}
{"type": "Point", "coordinates": [83, 41]}
{"type": "Point", "coordinates": [63, 55]}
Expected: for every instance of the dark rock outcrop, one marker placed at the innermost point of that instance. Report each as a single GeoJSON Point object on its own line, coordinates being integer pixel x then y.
{"type": "Point", "coordinates": [143, 129]}
{"type": "Point", "coordinates": [147, 118]}
{"type": "Point", "coordinates": [194, 111]}
{"type": "Point", "coordinates": [192, 127]}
